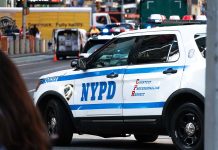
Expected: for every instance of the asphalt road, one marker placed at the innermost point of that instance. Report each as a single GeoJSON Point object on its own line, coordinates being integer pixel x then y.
{"type": "Point", "coordinates": [31, 68]}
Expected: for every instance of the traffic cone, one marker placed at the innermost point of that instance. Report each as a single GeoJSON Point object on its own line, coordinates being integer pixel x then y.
{"type": "Point", "coordinates": [55, 58]}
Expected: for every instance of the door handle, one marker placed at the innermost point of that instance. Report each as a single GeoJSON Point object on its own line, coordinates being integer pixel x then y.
{"type": "Point", "coordinates": [170, 70]}
{"type": "Point", "coordinates": [112, 75]}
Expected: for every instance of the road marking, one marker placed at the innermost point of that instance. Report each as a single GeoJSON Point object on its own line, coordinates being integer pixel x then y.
{"type": "Point", "coordinates": [31, 73]}
{"type": "Point", "coordinates": [26, 64]}
{"type": "Point", "coordinates": [30, 91]}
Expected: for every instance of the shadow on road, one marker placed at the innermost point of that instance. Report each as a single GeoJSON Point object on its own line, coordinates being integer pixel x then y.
{"type": "Point", "coordinates": [114, 144]}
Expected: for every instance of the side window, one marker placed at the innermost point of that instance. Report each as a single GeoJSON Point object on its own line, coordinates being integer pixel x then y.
{"type": "Point", "coordinates": [157, 49]}
{"type": "Point", "coordinates": [200, 40]}
{"type": "Point", "coordinates": [115, 54]}
{"type": "Point", "coordinates": [101, 19]}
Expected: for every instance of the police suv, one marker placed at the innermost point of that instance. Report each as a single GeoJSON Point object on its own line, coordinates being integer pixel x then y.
{"type": "Point", "coordinates": [146, 82]}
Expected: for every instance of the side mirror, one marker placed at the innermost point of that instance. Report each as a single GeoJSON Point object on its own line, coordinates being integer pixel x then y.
{"type": "Point", "coordinates": [74, 63]}
{"type": "Point", "coordinates": [79, 63]}
{"type": "Point", "coordinates": [82, 64]}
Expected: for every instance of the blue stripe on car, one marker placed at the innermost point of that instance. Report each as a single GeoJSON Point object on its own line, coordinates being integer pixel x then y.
{"type": "Point", "coordinates": [117, 106]}
{"type": "Point", "coordinates": [106, 72]}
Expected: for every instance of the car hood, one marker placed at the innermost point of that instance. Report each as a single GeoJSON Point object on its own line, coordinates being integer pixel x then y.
{"type": "Point", "coordinates": [56, 74]}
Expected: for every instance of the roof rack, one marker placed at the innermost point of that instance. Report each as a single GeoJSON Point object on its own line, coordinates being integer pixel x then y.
{"type": "Point", "coordinates": [183, 22]}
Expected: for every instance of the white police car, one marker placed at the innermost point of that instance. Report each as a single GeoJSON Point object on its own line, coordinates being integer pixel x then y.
{"type": "Point", "coordinates": [146, 82]}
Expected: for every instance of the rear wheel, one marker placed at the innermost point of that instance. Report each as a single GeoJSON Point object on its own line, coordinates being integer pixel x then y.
{"type": "Point", "coordinates": [64, 57]}
{"type": "Point", "coordinates": [58, 123]}
{"type": "Point", "coordinates": [187, 127]}
{"type": "Point", "coordinates": [145, 138]}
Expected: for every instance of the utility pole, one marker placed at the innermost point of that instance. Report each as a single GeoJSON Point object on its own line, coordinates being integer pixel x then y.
{"type": "Point", "coordinates": [24, 13]}
{"type": "Point", "coordinates": [211, 107]}
{"type": "Point", "coordinates": [122, 11]}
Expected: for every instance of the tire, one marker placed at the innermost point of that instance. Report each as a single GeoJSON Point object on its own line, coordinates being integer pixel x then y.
{"type": "Point", "coordinates": [187, 127]}
{"type": "Point", "coordinates": [145, 138]}
{"type": "Point", "coordinates": [64, 57]}
{"type": "Point", "coordinates": [58, 123]}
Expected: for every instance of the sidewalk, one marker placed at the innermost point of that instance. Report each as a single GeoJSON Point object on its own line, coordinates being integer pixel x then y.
{"type": "Point", "coordinates": [34, 57]}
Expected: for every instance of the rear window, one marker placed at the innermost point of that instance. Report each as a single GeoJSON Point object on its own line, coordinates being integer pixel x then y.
{"type": "Point", "coordinates": [200, 40]}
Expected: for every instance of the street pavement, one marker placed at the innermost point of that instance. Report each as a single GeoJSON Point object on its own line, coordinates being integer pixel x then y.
{"type": "Point", "coordinates": [25, 58]}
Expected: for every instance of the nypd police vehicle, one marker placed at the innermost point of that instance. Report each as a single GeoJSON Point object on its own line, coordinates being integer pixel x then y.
{"type": "Point", "coordinates": [144, 83]}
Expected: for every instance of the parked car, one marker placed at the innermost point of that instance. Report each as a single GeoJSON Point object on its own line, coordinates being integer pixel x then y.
{"type": "Point", "coordinates": [201, 17]}
{"type": "Point", "coordinates": [116, 28]}
{"type": "Point", "coordinates": [157, 17]}
{"type": "Point", "coordinates": [69, 42]}
{"type": "Point", "coordinates": [187, 17]}
{"type": "Point", "coordinates": [174, 17]}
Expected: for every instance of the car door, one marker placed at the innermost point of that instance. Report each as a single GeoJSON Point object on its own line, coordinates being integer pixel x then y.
{"type": "Point", "coordinates": [155, 73]}
{"type": "Point", "coordinates": [98, 91]}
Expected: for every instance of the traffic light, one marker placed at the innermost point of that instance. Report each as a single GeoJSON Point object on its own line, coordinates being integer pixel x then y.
{"type": "Point", "coordinates": [26, 9]}
{"type": "Point", "coordinates": [24, 2]}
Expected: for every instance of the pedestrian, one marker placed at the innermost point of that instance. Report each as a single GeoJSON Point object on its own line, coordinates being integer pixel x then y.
{"type": "Point", "coordinates": [21, 32]}
{"type": "Point", "coordinates": [34, 31]}
{"type": "Point", "coordinates": [94, 31]}
{"type": "Point", "coordinates": [8, 31]}
{"type": "Point", "coordinates": [21, 126]}
{"type": "Point", "coordinates": [203, 8]}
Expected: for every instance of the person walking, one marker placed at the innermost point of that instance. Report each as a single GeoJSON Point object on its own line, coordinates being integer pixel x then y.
{"type": "Point", "coordinates": [34, 31]}
{"type": "Point", "coordinates": [21, 126]}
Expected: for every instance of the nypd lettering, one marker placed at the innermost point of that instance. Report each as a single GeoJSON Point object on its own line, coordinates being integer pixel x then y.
{"type": "Point", "coordinates": [98, 90]}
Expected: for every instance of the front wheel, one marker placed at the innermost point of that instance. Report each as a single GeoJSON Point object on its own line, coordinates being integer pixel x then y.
{"type": "Point", "coordinates": [145, 138]}
{"type": "Point", "coordinates": [187, 127]}
{"type": "Point", "coordinates": [58, 123]}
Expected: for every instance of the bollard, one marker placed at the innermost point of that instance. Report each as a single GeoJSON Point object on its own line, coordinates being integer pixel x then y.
{"type": "Point", "coordinates": [27, 46]}
{"type": "Point", "coordinates": [17, 44]}
{"type": "Point", "coordinates": [42, 46]}
{"type": "Point", "coordinates": [22, 51]}
{"type": "Point", "coordinates": [46, 45]}
{"type": "Point", "coordinates": [37, 45]}
{"type": "Point", "coordinates": [10, 45]}
{"type": "Point", "coordinates": [4, 44]}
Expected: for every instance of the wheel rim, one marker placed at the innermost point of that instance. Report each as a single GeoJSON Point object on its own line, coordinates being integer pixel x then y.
{"type": "Point", "coordinates": [51, 122]}
{"type": "Point", "coordinates": [188, 129]}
